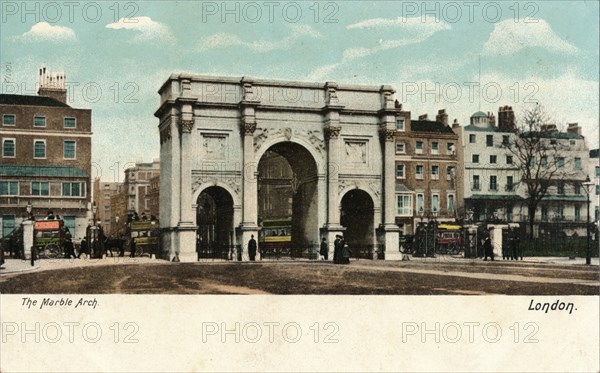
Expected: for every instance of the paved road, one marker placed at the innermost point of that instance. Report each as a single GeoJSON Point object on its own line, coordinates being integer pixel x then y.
{"type": "Point", "coordinates": [432, 276]}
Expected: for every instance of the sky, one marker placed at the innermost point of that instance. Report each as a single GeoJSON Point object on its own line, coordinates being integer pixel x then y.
{"type": "Point", "coordinates": [116, 55]}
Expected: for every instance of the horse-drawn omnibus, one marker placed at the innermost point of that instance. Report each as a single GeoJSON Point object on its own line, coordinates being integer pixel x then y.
{"type": "Point", "coordinates": [49, 238]}
{"type": "Point", "coordinates": [449, 239]}
{"type": "Point", "coordinates": [145, 237]}
{"type": "Point", "coordinates": [275, 238]}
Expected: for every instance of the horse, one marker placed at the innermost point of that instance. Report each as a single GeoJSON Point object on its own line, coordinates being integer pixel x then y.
{"type": "Point", "coordinates": [113, 242]}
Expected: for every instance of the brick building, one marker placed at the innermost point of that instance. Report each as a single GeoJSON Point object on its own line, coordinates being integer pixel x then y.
{"type": "Point", "coordinates": [153, 197]}
{"type": "Point", "coordinates": [103, 191]}
{"type": "Point", "coordinates": [134, 194]}
{"type": "Point", "coordinates": [46, 156]}
{"type": "Point", "coordinates": [427, 181]}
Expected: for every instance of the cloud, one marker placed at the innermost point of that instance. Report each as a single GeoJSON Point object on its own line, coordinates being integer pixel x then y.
{"type": "Point", "coordinates": [509, 37]}
{"type": "Point", "coordinates": [43, 31]}
{"type": "Point", "coordinates": [409, 31]}
{"type": "Point", "coordinates": [146, 28]}
{"type": "Point", "coordinates": [226, 40]}
{"type": "Point", "coordinates": [415, 24]}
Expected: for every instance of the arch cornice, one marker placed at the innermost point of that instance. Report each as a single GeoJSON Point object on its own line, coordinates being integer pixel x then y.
{"type": "Point", "coordinates": [361, 187]}
{"type": "Point", "coordinates": [299, 140]}
{"type": "Point", "coordinates": [235, 196]}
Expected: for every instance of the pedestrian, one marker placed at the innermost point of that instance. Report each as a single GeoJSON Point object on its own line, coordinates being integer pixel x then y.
{"type": "Point", "coordinates": [83, 248]}
{"type": "Point", "coordinates": [516, 248]}
{"type": "Point", "coordinates": [324, 250]}
{"type": "Point", "coordinates": [487, 248]}
{"type": "Point", "coordinates": [69, 249]}
{"type": "Point", "coordinates": [336, 249]}
{"type": "Point", "coordinates": [132, 248]}
{"type": "Point", "coordinates": [50, 215]}
{"type": "Point", "coordinates": [252, 248]}
{"type": "Point", "coordinates": [346, 253]}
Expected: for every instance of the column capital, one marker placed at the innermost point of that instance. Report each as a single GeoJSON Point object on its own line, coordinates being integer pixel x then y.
{"type": "Point", "coordinates": [248, 126]}
{"type": "Point", "coordinates": [332, 132]}
{"type": "Point", "coordinates": [387, 134]}
{"type": "Point", "coordinates": [185, 126]}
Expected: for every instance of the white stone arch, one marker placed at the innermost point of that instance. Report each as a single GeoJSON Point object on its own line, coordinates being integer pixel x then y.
{"type": "Point", "coordinates": [237, 201]}
{"type": "Point", "coordinates": [317, 157]}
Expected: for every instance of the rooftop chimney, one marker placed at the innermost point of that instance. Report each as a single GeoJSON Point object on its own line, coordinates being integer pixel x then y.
{"type": "Point", "coordinates": [53, 85]}
{"type": "Point", "coordinates": [506, 118]}
{"type": "Point", "coordinates": [423, 117]}
{"type": "Point", "coordinates": [442, 117]}
{"type": "Point", "coordinates": [491, 118]}
{"type": "Point", "coordinates": [574, 128]}
{"type": "Point", "coordinates": [455, 124]}
{"type": "Point", "coordinates": [549, 128]}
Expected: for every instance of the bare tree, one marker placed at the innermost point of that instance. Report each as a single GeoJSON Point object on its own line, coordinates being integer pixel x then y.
{"type": "Point", "coordinates": [536, 150]}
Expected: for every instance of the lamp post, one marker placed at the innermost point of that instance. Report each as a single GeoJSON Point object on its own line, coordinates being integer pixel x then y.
{"type": "Point", "coordinates": [94, 209]}
{"type": "Point", "coordinates": [421, 231]}
{"type": "Point", "coordinates": [435, 215]}
{"type": "Point", "coordinates": [588, 253]}
{"type": "Point", "coordinates": [117, 225]}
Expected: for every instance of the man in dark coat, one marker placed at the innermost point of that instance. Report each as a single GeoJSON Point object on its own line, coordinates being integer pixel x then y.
{"type": "Point", "coordinates": [337, 250]}
{"type": "Point", "coordinates": [252, 248]}
{"type": "Point", "coordinates": [83, 248]}
{"type": "Point", "coordinates": [324, 249]}
{"type": "Point", "coordinates": [487, 248]}
{"type": "Point", "coordinates": [69, 249]}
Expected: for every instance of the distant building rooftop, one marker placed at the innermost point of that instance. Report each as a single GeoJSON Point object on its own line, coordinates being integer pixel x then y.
{"type": "Point", "coordinates": [429, 126]}
{"type": "Point", "coordinates": [30, 100]}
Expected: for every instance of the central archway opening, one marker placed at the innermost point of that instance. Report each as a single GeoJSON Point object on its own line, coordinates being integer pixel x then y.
{"type": "Point", "coordinates": [288, 202]}
{"type": "Point", "coordinates": [214, 218]}
{"type": "Point", "coordinates": [357, 216]}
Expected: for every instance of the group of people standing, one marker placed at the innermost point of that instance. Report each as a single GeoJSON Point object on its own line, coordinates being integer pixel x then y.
{"type": "Point", "coordinates": [341, 250]}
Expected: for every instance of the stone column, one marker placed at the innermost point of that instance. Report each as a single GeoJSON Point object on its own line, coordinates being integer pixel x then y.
{"type": "Point", "coordinates": [496, 238]}
{"type": "Point", "coordinates": [390, 230]}
{"type": "Point", "coordinates": [249, 226]}
{"type": "Point", "coordinates": [186, 227]}
{"type": "Point", "coordinates": [27, 238]}
{"type": "Point", "coordinates": [332, 128]}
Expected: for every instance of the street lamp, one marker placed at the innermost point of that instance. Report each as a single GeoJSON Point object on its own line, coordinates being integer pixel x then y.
{"type": "Point", "coordinates": [29, 208]}
{"type": "Point", "coordinates": [421, 214]}
{"type": "Point", "coordinates": [588, 253]}
{"type": "Point", "coordinates": [435, 215]}
{"type": "Point", "coordinates": [94, 209]}
{"type": "Point", "coordinates": [117, 224]}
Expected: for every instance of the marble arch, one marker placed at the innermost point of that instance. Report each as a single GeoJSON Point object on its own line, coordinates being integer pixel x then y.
{"type": "Point", "coordinates": [214, 131]}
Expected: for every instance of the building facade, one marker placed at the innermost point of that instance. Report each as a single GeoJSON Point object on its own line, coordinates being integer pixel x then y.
{"type": "Point", "coordinates": [153, 197]}
{"type": "Point", "coordinates": [494, 185]}
{"type": "Point", "coordinates": [565, 204]}
{"type": "Point", "coordinates": [594, 174]}
{"type": "Point", "coordinates": [428, 184]}
{"type": "Point", "coordinates": [491, 175]}
{"type": "Point", "coordinates": [46, 156]}
{"type": "Point", "coordinates": [138, 192]}
{"type": "Point", "coordinates": [102, 193]}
